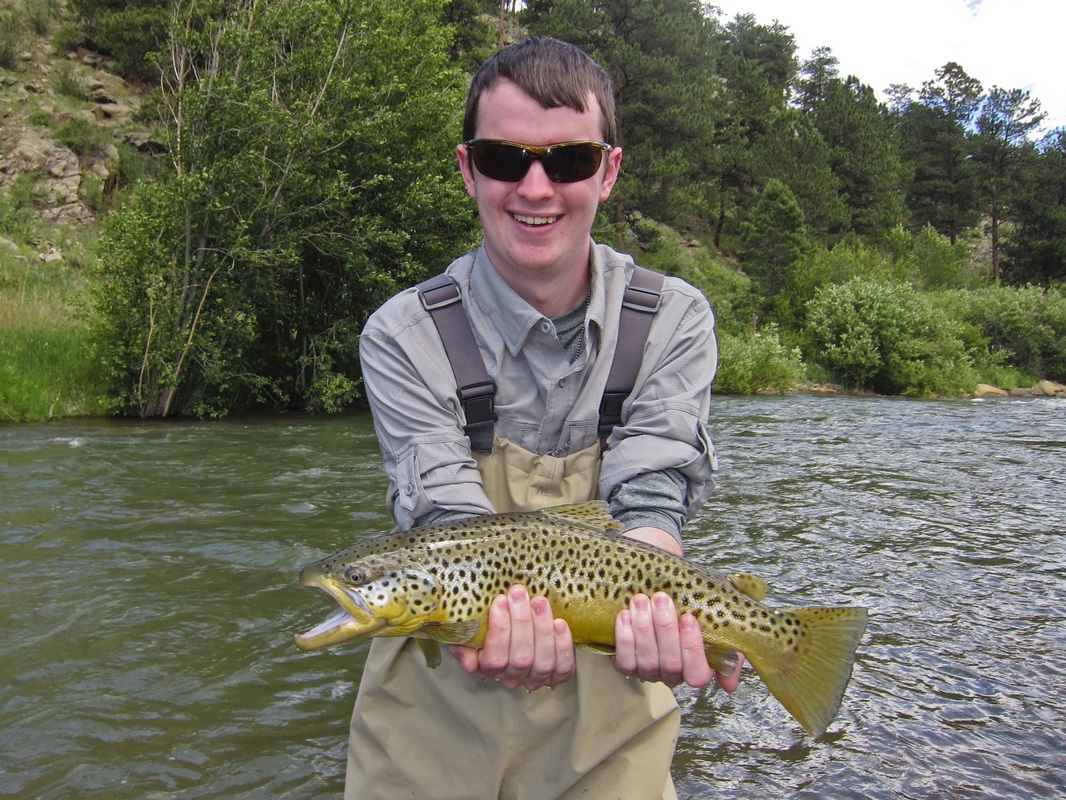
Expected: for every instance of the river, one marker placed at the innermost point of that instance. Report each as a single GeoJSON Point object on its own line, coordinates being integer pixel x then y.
{"type": "Point", "coordinates": [149, 596]}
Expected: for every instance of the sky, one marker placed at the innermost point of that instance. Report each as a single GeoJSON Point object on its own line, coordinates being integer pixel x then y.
{"type": "Point", "coordinates": [1013, 44]}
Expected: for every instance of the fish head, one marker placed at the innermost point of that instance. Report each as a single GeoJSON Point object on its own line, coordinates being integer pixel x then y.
{"type": "Point", "coordinates": [377, 595]}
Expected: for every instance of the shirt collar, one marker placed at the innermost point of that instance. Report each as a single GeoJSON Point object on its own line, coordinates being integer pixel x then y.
{"type": "Point", "coordinates": [512, 316]}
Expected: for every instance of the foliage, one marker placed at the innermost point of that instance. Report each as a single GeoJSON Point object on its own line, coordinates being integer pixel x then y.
{"type": "Point", "coordinates": [774, 239]}
{"type": "Point", "coordinates": [662, 249]}
{"type": "Point", "coordinates": [757, 362]}
{"type": "Point", "coordinates": [127, 31]}
{"type": "Point", "coordinates": [47, 370]}
{"type": "Point", "coordinates": [1027, 325]}
{"type": "Point", "coordinates": [929, 259]}
{"type": "Point", "coordinates": [864, 155]}
{"type": "Point", "coordinates": [311, 151]}
{"type": "Point", "coordinates": [1037, 250]}
{"type": "Point", "coordinates": [1006, 120]}
{"type": "Point", "coordinates": [12, 34]}
{"type": "Point", "coordinates": [886, 337]}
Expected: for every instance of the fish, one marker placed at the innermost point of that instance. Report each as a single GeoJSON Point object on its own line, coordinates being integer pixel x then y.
{"type": "Point", "coordinates": [435, 583]}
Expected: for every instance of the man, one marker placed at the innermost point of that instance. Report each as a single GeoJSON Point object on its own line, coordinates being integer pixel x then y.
{"type": "Point", "coordinates": [544, 303]}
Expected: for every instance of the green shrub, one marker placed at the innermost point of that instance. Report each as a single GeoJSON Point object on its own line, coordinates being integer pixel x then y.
{"type": "Point", "coordinates": [12, 36]}
{"type": "Point", "coordinates": [757, 363]}
{"type": "Point", "coordinates": [66, 82]}
{"type": "Point", "coordinates": [888, 338]}
{"type": "Point", "coordinates": [1026, 323]}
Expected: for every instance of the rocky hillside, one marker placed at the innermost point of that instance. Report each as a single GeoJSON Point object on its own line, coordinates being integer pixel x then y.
{"type": "Point", "coordinates": [70, 130]}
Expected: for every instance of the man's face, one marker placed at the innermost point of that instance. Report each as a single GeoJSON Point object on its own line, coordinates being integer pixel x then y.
{"type": "Point", "coordinates": [535, 228]}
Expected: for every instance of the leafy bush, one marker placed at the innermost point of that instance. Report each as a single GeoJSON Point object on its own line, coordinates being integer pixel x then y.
{"type": "Point", "coordinates": [888, 338]}
{"type": "Point", "coordinates": [930, 259]}
{"type": "Point", "coordinates": [756, 363]}
{"type": "Point", "coordinates": [311, 176]}
{"type": "Point", "coordinates": [12, 34]}
{"type": "Point", "coordinates": [1026, 324]}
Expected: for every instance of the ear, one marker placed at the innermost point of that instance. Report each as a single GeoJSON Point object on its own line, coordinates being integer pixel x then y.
{"type": "Point", "coordinates": [466, 166]}
{"type": "Point", "coordinates": [610, 177]}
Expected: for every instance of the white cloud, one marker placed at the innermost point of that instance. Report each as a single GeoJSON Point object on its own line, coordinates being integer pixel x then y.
{"type": "Point", "coordinates": [1013, 44]}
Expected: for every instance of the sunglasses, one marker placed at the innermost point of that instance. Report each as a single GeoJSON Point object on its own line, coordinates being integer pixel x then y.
{"type": "Point", "coordinates": [567, 162]}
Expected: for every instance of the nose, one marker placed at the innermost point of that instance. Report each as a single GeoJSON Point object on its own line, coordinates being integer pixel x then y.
{"type": "Point", "coordinates": [536, 185]}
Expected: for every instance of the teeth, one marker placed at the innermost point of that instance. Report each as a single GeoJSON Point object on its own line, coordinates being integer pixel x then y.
{"type": "Point", "coordinates": [535, 220]}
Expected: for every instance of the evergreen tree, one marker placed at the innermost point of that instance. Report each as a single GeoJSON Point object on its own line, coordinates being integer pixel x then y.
{"type": "Point", "coordinates": [1037, 250]}
{"type": "Point", "coordinates": [756, 66]}
{"type": "Point", "coordinates": [942, 186]}
{"type": "Point", "coordinates": [774, 239]}
{"type": "Point", "coordinates": [1007, 118]}
{"type": "Point", "coordinates": [864, 155]}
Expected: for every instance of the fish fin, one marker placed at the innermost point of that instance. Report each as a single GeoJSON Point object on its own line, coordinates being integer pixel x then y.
{"type": "Point", "coordinates": [724, 661]}
{"type": "Point", "coordinates": [809, 680]}
{"type": "Point", "coordinates": [594, 515]}
{"type": "Point", "coordinates": [750, 585]}
{"type": "Point", "coordinates": [430, 651]}
{"type": "Point", "coordinates": [449, 632]}
{"type": "Point", "coordinates": [603, 649]}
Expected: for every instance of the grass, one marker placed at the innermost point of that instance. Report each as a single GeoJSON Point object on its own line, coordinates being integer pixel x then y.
{"type": "Point", "coordinates": [47, 368]}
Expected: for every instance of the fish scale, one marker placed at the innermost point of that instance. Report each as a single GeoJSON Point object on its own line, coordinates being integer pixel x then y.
{"type": "Point", "coordinates": [436, 583]}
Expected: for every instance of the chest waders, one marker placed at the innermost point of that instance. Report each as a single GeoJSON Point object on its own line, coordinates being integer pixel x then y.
{"type": "Point", "coordinates": [443, 734]}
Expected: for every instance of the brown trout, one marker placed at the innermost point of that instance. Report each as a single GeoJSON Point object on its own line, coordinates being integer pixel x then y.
{"type": "Point", "coordinates": [435, 583]}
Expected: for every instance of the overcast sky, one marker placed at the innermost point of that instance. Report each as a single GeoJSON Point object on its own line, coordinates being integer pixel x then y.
{"type": "Point", "coordinates": [1013, 44]}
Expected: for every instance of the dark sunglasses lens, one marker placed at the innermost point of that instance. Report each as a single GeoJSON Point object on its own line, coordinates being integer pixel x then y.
{"type": "Point", "coordinates": [501, 162]}
{"type": "Point", "coordinates": [573, 162]}
{"type": "Point", "coordinates": [567, 163]}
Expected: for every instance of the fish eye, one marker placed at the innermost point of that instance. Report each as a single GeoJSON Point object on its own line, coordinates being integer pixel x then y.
{"type": "Point", "coordinates": [354, 575]}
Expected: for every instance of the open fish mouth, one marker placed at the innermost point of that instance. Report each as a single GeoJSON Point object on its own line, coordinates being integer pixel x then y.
{"type": "Point", "coordinates": [353, 620]}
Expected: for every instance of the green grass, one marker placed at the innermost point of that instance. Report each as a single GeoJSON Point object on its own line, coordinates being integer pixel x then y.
{"type": "Point", "coordinates": [47, 368]}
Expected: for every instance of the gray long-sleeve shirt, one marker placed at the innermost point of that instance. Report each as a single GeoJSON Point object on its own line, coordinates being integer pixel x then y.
{"type": "Point", "coordinates": [545, 402]}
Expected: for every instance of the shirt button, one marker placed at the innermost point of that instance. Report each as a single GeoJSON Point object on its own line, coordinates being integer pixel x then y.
{"type": "Point", "coordinates": [562, 382]}
{"type": "Point", "coordinates": [546, 327]}
{"type": "Point", "coordinates": [409, 489]}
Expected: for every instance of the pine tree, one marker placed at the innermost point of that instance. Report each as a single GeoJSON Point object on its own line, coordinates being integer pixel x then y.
{"type": "Point", "coordinates": [1007, 118]}
{"type": "Point", "coordinates": [774, 238]}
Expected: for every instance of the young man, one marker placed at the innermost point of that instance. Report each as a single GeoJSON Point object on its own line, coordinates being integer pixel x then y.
{"type": "Point", "coordinates": [544, 303]}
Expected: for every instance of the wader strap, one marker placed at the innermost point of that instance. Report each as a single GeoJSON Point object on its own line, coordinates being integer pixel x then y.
{"type": "Point", "coordinates": [440, 296]}
{"type": "Point", "coordinates": [476, 391]}
{"type": "Point", "coordinates": [639, 304]}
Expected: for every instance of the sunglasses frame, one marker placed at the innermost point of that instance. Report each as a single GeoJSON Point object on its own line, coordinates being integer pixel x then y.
{"type": "Point", "coordinates": [535, 153]}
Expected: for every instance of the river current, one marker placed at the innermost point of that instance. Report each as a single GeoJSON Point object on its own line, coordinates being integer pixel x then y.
{"type": "Point", "coordinates": [149, 596]}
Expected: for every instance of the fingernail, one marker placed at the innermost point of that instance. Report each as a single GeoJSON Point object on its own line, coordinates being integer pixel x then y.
{"type": "Point", "coordinates": [661, 600]}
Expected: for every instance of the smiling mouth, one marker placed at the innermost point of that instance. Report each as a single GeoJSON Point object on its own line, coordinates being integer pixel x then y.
{"type": "Point", "coordinates": [525, 219]}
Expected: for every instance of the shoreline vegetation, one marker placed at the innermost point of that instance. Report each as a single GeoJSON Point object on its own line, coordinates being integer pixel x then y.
{"type": "Point", "coordinates": [214, 246]}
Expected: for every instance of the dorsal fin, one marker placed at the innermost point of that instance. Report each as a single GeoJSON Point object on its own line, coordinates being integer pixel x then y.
{"type": "Point", "coordinates": [750, 585]}
{"type": "Point", "coordinates": [593, 515]}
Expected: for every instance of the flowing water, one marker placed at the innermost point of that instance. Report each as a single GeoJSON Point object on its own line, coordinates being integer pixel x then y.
{"type": "Point", "coordinates": [149, 595]}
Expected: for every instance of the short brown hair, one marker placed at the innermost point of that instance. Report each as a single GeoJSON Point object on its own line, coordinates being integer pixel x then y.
{"type": "Point", "coordinates": [552, 72]}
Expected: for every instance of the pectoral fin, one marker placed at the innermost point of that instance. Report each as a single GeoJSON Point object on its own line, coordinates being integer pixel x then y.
{"type": "Point", "coordinates": [450, 632]}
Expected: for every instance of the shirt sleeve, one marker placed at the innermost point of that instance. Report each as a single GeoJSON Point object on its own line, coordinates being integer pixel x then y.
{"type": "Point", "coordinates": [664, 420]}
{"type": "Point", "coordinates": [417, 419]}
{"type": "Point", "coordinates": [656, 499]}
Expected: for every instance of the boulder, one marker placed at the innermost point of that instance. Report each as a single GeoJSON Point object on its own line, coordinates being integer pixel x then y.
{"type": "Point", "coordinates": [1049, 389]}
{"type": "Point", "coordinates": [988, 390]}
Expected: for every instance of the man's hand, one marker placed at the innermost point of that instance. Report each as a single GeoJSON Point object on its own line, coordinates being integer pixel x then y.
{"type": "Point", "coordinates": [653, 644]}
{"type": "Point", "coordinates": [524, 646]}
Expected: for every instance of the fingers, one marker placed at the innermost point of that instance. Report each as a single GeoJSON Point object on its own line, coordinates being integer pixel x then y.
{"type": "Point", "coordinates": [652, 643]}
{"type": "Point", "coordinates": [524, 645]}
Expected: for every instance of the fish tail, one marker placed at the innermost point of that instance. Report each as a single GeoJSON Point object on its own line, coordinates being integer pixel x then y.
{"type": "Point", "coordinates": [810, 677]}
